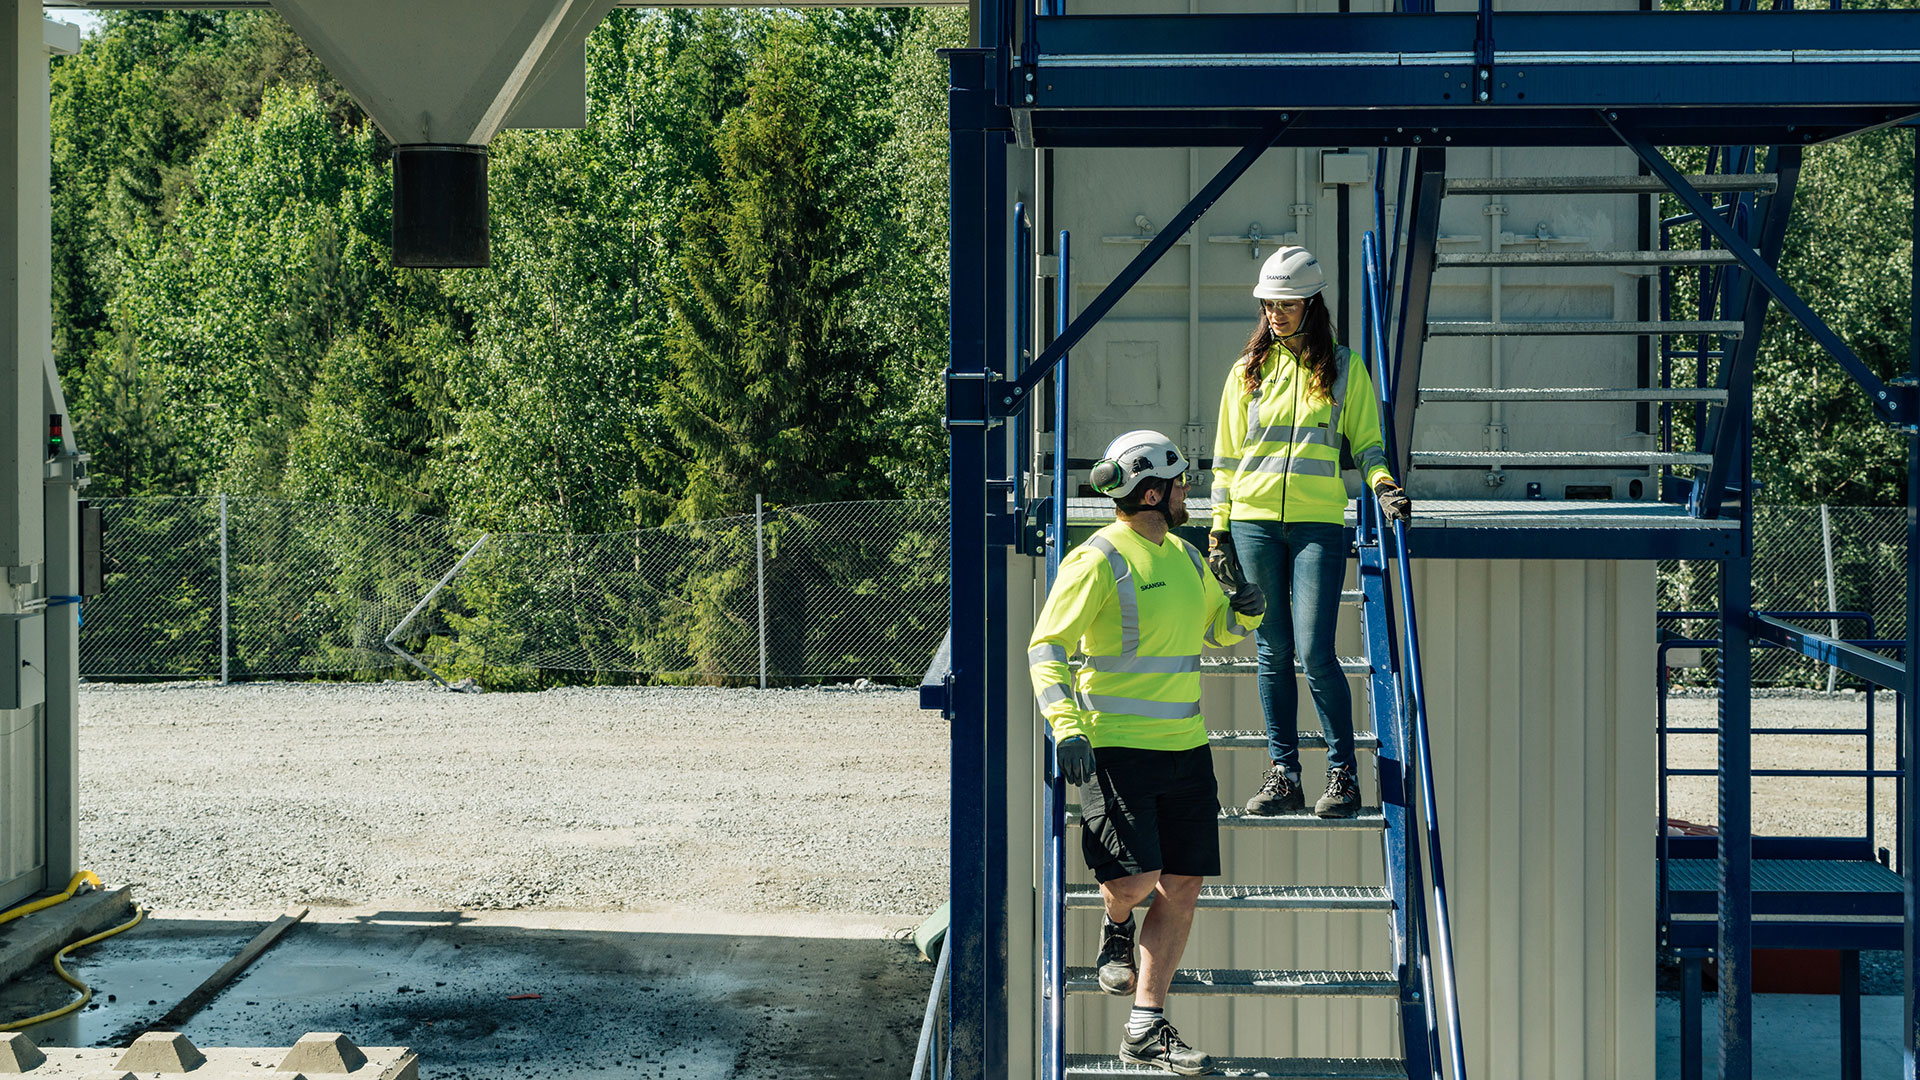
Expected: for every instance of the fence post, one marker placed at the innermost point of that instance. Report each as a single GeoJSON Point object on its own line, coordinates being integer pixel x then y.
{"type": "Point", "coordinates": [223, 588]}
{"type": "Point", "coordinates": [1833, 601]}
{"type": "Point", "coordinates": [760, 562]}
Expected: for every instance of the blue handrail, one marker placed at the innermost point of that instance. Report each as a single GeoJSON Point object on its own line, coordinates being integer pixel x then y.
{"type": "Point", "coordinates": [1413, 703]}
{"type": "Point", "coordinates": [1053, 870]}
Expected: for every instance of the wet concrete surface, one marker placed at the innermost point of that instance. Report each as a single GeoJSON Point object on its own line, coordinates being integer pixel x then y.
{"type": "Point", "coordinates": [668, 995]}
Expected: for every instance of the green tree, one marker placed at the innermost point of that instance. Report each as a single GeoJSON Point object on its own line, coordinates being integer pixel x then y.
{"type": "Point", "coordinates": [773, 382]}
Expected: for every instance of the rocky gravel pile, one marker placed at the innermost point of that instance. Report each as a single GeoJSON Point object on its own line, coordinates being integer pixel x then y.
{"type": "Point", "coordinates": [625, 799]}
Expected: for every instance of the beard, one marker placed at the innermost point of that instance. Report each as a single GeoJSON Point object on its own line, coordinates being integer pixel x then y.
{"type": "Point", "coordinates": [1177, 517]}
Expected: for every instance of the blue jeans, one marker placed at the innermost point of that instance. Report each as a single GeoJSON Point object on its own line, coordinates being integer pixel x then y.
{"type": "Point", "coordinates": [1301, 567]}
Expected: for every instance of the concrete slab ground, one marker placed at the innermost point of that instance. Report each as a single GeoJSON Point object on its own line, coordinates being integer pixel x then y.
{"type": "Point", "coordinates": [1795, 1036]}
{"type": "Point", "coordinates": [673, 996]}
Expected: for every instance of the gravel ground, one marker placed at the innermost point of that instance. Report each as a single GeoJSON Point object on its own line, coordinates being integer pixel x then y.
{"type": "Point", "coordinates": [1790, 806]}
{"type": "Point", "coordinates": [609, 799]}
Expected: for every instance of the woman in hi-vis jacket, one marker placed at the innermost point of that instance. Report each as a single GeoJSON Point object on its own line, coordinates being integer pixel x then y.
{"type": "Point", "coordinates": [1292, 400]}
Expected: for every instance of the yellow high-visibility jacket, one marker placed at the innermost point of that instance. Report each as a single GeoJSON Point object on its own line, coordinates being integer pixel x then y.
{"type": "Point", "coordinates": [1276, 457]}
{"type": "Point", "coordinates": [1139, 613]}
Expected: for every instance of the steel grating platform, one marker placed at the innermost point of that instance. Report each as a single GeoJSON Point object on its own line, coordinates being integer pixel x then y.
{"type": "Point", "coordinates": [1100, 1066]}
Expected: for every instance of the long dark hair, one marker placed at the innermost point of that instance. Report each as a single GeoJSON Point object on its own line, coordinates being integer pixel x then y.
{"type": "Point", "coordinates": [1312, 343]}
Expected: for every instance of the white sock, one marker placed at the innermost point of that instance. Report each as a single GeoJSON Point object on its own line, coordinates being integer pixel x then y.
{"type": "Point", "coordinates": [1141, 1019]}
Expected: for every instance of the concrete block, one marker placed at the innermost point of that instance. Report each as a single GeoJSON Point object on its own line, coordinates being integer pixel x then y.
{"type": "Point", "coordinates": [327, 1052]}
{"type": "Point", "coordinates": [162, 1051]}
{"type": "Point", "coordinates": [17, 1053]}
{"type": "Point", "coordinates": [27, 944]}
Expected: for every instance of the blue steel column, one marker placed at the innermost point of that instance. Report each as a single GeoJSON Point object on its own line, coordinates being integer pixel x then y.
{"type": "Point", "coordinates": [977, 693]}
{"type": "Point", "coordinates": [1736, 814]}
{"type": "Point", "coordinates": [1910, 716]}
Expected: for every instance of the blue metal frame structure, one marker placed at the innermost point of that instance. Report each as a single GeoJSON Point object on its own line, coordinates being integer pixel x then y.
{"type": "Point", "coordinates": [1639, 79]}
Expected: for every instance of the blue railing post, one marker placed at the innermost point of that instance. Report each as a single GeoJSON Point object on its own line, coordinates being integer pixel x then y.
{"type": "Point", "coordinates": [1736, 820]}
{"type": "Point", "coordinates": [1054, 869]}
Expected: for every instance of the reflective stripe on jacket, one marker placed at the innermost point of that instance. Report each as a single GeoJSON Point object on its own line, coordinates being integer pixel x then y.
{"type": "Point", "coordinates": [1276, 457]}
{"type": "Point", "coordinates": [1140, 613]}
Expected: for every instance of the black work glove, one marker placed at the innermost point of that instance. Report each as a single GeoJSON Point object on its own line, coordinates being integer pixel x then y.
{"type": "Point", "coordinates": [1394, 504]}
{"type": "Point", "coordinates": [1248, 599]}
{"type": "Point", "coordinates": [1075, 755]}
{"type": "Point", "coordinates": [1223, 560]}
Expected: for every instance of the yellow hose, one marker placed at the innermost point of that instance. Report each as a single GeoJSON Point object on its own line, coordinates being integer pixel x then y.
{"type": "Point", "coordinates": [60, 968]}
{"type": "Point", "coordinates": [84, 877]}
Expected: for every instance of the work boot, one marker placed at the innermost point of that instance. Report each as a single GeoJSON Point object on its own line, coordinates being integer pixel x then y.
{"type": "Point", "coordinates": [1342, 798]}
{"type": "Point", "coordinates": [1117, 972]}
{"type": "Point", "coordinates": [1162, 1047]}
{"type": "Point", "coordinates": [1279, 794]}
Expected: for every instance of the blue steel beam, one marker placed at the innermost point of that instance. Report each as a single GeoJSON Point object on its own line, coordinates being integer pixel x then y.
{"type": "Point", "coordinates": [1850, 658]}
{"type": "Point", "coordinates": [1731, 433]}
{"type": "Point", "coordinates": [1619, 60]}
{"type": "Point", "coordinates": [1423, 236]}
{"type": "Point", "coordinates": [1014, 396]}
{"type": "Point", "coordinates": [1893, 403]}
{"type": "Point", "coordinates": [1129, 123]}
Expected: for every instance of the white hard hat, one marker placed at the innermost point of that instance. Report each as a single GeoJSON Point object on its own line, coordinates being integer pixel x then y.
{"type": "Point", "coordinates": [1133, 457]}
{"type": "Point", "coordinates": [1291, 273]}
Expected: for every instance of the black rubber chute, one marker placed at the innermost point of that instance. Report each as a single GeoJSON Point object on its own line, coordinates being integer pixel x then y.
{"type": "Point", "coordinates": [440, 207]}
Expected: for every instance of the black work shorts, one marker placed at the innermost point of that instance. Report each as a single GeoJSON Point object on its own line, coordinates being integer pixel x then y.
{"type": "Point", "coordinates": [1149, 810]}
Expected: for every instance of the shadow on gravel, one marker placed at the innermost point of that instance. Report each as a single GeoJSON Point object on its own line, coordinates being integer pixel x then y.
{"type": "Point", "coordinates": [609, 1002]}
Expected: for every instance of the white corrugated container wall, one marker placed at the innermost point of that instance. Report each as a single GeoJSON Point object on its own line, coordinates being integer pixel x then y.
{"type": "Point", "coordinates": [1538, 673]}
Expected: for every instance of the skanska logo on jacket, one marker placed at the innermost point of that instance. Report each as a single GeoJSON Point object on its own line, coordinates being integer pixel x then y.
{"type": "Point", "coordinates": [1153, 585]}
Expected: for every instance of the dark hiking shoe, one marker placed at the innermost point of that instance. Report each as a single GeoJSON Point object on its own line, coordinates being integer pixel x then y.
{"type": "Point", "coordinates": [1343, 795]}
{"type": "Point", "coordinates": [1117, 972]}
{"type": "Point", "coordinates": [1279, 794]}
{"type": "Point", "coordinates": [1162, 1047]}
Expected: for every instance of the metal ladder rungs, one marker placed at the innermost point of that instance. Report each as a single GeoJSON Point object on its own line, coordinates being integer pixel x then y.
{"type": "Point", "coordinates": [1369, 817]}
{"type": "Point", "coordinates": [1352, 597]}
{"type": "Point", "coordinates": [1571, 459]}
{"type": "Point", "coordinates": [1109, 1067]}
{"type": "Point", "coordinates": [1764, 183]}
{"type": "Point", "coordinates": [1568, 393]}
{"type": "Point", "coordinates": [1266, 897]}
{"type": "Point", "coordinates": [1483, 259]}
{"type": "Point", "coordinates": [1309, 740]}
{"type": "Point", "coordinates": [1595, 328]}
{"type": "Point", "coordinates": [1259, 981]}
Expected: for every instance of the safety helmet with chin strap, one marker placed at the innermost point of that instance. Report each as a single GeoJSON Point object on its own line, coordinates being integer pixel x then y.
{"type": "Point", "coordinates": [1133, 458]}
{"type": "Point", "coordinates": [1291, 273]}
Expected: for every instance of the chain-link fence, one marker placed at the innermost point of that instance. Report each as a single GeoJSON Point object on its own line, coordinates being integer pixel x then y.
{"type": "Point", "coordinates": [1805, 558]}
{"type": "Point", "coordinates": [237, 587]}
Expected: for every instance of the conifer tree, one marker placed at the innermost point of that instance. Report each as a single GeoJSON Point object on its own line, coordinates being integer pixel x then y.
{"type": "Point", "coordinates": [772, 385]}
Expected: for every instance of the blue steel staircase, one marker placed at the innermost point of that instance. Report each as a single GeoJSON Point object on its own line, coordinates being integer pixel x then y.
{"type": "Point", "coordinates": [1044, 78]}
{"type": "Point", "coordinates": [1420, 949]}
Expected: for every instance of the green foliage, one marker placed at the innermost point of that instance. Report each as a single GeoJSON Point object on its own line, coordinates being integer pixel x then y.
{"type": "Point", "coordinates": [1848, 254]}
{"type": "Point", "coordinates": [730, 281]}
{"type": "Point", "coordinates": [772, 381]}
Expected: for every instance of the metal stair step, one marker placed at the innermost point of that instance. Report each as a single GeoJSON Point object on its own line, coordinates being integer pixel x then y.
{"type": "Point", "coordinates": [1369, 817]}
{"type": "Point", "coordinates": [1607, 185]}
{"type": "Point", "coordinates": [1266, 897]}
{"type": "Point", "coordinates": [1458, 328]}
{"type": "Point", "coordinates": [1263, 981]}
{"type": "Point", "coordinates": [1588, 459]}
{"type": "Point", "coordinates": [1585, 258]}
{"type": "Point", "coordinates": [1106, 1067]}
{"type": "Point", "coordinates": [1222, 665]}
{"type": "Point", "coordinates": [1310, 740]}
{"type": "Point", "coordinates": [1569, 393]}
